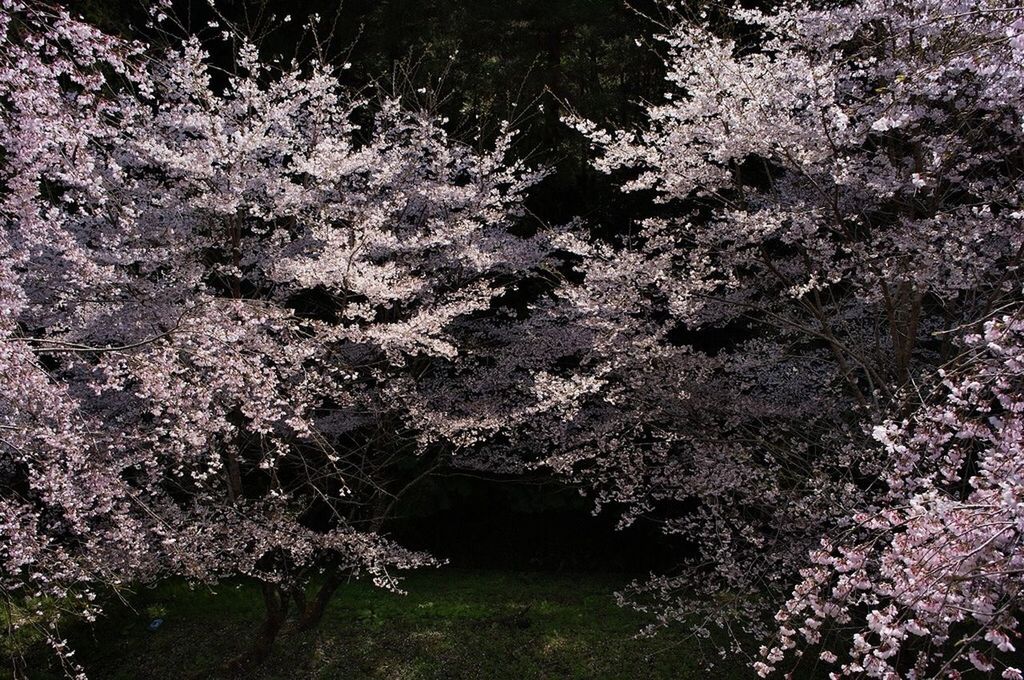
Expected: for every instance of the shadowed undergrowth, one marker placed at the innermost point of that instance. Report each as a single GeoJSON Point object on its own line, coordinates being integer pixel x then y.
{"type": "Point", "coordinates": [451, 624]}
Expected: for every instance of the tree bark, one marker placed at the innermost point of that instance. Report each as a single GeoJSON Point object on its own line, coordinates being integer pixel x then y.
{"type": "Point", "coordinates": [276, 603]}
{"type": "Point", "coordinates": [313, 612]}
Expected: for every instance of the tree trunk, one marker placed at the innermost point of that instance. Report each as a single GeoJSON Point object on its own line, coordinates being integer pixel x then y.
{"type": "Point", "coordinates": [298, 593]}
{"type": "Point", "coordinates": [314, 609]}
{"type": "Point", "coordinates": [276, 603]}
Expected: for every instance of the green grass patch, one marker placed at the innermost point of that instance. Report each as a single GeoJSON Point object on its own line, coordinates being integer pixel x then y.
{"type": "Point", "coordinates": [452, 624]}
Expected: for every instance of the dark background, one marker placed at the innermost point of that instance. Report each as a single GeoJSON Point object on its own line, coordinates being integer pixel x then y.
{"type": "Point", "coordinates": [485, 523]}
{"type": "Point", "coordinates": [475, 62]}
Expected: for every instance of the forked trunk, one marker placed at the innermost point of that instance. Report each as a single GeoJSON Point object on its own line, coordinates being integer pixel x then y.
{"type": "Point", "coordinates": [314, 609]}
{"type": "Point", "coordinates": [276, 604]}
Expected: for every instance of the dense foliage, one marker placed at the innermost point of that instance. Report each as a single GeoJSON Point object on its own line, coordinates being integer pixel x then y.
{"type": "Point", "coordinates": [247, 305]}
{"type": "Point", "coordinates": [175, 402]}
{"type": "Point", "coordinates": [844, 192]}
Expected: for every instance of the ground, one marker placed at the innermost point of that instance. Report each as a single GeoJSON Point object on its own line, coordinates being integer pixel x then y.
{"type": "Point", "coordinates": [452, 624]}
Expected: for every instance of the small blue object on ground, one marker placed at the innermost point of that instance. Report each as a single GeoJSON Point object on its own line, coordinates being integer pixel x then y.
{"type": "Point", "coordinates": [155, 623]}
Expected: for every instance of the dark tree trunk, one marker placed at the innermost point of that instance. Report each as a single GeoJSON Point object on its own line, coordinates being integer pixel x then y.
{"type": "Point", "coordinates": [298, 593]}
{"type": "Point", "coordinates": [276, 603]}
{"type": "Point", "coordinates": [314, 609]}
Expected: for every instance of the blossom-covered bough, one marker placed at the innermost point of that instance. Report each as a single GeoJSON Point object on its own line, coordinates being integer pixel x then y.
{"type": "Point", "coordinates": [926, 579]}
{"type": "Point", "coordinates": [842, 203]}
{"type": "Point", "coordinates": [210, 281]}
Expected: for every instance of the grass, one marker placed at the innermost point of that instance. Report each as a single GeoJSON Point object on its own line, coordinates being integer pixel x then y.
{"type": "Point", "coordinates": [452, 624]}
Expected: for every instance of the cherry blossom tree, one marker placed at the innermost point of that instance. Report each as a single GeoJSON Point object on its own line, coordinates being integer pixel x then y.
{"type": "Point", "coordinates": [211, 283]}
{"type": "Point", "coordinates": [928, 574]}
{"type": "Point", "coordinates": [836, 198]}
